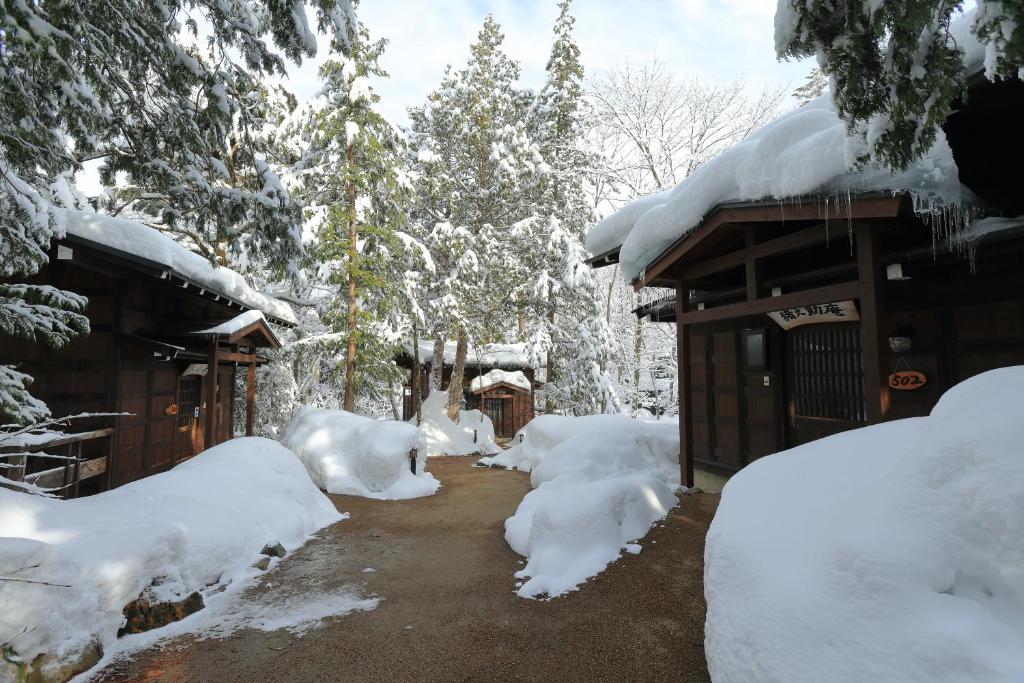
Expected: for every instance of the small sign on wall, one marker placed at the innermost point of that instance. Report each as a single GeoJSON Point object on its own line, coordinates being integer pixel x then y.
{"type": "Point", "coordinates": [838, 312]}
{"type": "Point", "coordinates": [907, 380]}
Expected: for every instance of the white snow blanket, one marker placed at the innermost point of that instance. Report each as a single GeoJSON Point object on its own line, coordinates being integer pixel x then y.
{"type": "Point", "coordinates": [600, 482]}
{"type": "Point", "coordinates": [443, 437]}
{"type": "Point", "coordinates": [498, 376]}
{"type": "Point", "coordinates": [203, 522]}
{"type": "Point", "coordinates": [487, 355]}
{"type": "Point", "coordinates": [358, 456]}
{"type": "Point", "coordinates": [889, 553]}
{"type": "Point", "coordinates": [804, 152]}
{"type": "Point", "coordinates": [142, 240]}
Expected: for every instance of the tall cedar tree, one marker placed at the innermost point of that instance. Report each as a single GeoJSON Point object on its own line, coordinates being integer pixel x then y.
{"type": "Point", "coordinates": [127, 82]}
{"type": "Point", "coordinates": [472, 157]}
{"type": "Point", "coordinates": [895, 69]}
{"type": "Point", "coordinates": [571, 330]}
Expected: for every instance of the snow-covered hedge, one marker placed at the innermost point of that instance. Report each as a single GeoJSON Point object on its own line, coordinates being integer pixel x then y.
{"type": "Point", "coordinates": [201, 523]}
{"type": "Point", "coordinates": [354, 455]}
{"type": "Point", "coordinates": [890, 553]}
{"type": "Point", "coordinates": [600, 482]}
{"type": "Point", "coordinates": [444, 437]}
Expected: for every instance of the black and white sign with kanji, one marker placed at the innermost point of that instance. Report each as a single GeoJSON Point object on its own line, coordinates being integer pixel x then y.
{"type": "Point", "coordinates": [838, 312]}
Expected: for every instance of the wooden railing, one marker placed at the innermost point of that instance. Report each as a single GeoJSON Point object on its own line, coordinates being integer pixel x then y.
{"type": "Point", "coordinates": [63, 480]}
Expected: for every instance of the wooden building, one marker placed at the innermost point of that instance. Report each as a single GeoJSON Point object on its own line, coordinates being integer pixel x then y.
{"type": "Point", "coordinates": [168, 334]}
{"type": "Point", "coordinates": [508, 403]}
{"type": "Point", "coordinates": [804, 318]}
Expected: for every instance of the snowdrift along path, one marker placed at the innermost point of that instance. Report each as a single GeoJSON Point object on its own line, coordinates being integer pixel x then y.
{"type": "Point", "coordinates": [447, 608]}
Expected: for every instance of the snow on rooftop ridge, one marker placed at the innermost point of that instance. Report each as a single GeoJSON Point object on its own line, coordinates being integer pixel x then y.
{"type": "Point", "coordinates": [802, 153]}
{"type": "Point", "coordinates": [491, 355]}
{"type": "Point", "coordinates": [499, 376]}
{"type": "Point", "coordinates": [239, 322]}
{"type": "Point", "coordinates": [141, 240]}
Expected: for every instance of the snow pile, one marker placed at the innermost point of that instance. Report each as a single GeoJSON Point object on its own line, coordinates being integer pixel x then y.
{"type": "Point", "coordinates": [889, 553]}
{"type": "Point", "coordinates": [487, 355]}
{"type": "Point", "coordinates": [541, 435]}
{"type": "Point", "coordinates": [135, 239]}
{"type": "Point", "coordinates": [497, 376]}
{"type": "Point", "coordinates": [600, 482]}
{"type": "Point", "coordinates": [203, 522]}
{"type": "Point", "coordinates": [444, 437]}
{"type": "Point", "coordinates": [357, 456]}
{"type": "Point", "coordinates": [804, 152]}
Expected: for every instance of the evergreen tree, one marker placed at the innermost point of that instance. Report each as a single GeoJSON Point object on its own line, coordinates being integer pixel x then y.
{"type": "Point", "coordinates": [569, 328]}
{"type": "Point", "coordinates": [895, 69]}
{"type": "Point", "coordinates": [127, 82]}
{"type": "Point", "coordinates": [473, 159]}
{"type": "Point", "coordinates": [351, 176]}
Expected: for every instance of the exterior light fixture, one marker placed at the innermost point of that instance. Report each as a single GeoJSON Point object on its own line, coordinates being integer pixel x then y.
{"type": "Point", "coordinates": [899, 344]}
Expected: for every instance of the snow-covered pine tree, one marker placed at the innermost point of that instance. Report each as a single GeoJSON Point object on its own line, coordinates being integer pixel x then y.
{"type": "Point", "coordinates": [129, 83]}
{"type": "Point", "coordinates": [895, 69]}
{"type": "Point", "coordinates": [569, 329]}
{"type": "Point", "coordinates": [474, 162]}
{"type": "Point", "coordinates": [353, 180]}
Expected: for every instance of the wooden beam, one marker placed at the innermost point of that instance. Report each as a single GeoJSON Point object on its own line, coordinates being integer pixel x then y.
{"type": "Point", "coordinates": [870, 283]}
{"type": "Point", "coordinates": [819, 295]}
{"type": "Point", "coordinates": [685, 383]}
{"type": "Point", "coordinates": [865, 207]}
{"type": "Point", "coordinates": [211, 395]}
{"type": "Point", "coordinates": [250, 398]}
{"type": "Point", "coordinates": [235, 357]}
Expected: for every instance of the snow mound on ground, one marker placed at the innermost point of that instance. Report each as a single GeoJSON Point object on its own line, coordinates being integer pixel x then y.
{"type": "Point", "coordinates": [203, 522]}
{"type": "Point", "coordinates": [353, 455]}
{"type": "Point", "coordinates": [444, 437]}
{"type": "Point", "coordinates": [600, 482]}
{"type": "Point", "coordinates": [803, 152]}
{"type": "Point", "coordinates": [889, 553]}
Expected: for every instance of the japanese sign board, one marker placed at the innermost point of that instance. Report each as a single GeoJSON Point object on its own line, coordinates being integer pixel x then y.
{"type": "Point", "coordinates": [838, 312]}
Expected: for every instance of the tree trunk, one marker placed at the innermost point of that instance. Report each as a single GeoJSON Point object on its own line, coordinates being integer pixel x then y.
{"type": "Point", "coordinates": [458, 371]}
{"type": "Point", "coordinates": [350, 357]}
{"type": "Point", "coordinates": [396, 404]}
{"type": "Point", "coordinates": [549, 407]}
{"type": "Point", "coordinates": [416, 373]}
{"type": "Point", "coordinates": [437, 363]}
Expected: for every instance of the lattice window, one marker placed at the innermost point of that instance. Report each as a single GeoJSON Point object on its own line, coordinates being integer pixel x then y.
{"type": "Point", "coordinates": [828, 372]}
{"type": "Point", "coordinates": [188, 399]}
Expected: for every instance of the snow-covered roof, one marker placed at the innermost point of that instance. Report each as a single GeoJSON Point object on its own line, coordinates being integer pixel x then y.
{"type": "Point", "coordinates": [490, 355]}
{"type": "Point", "coordinates": [499, 376]}
{"type": "Point", "coordinates": [137, 240]}
{"type": "Point", "coordinates": [241, 322]}
{"type": "Point", "coordinates": [803, 153]}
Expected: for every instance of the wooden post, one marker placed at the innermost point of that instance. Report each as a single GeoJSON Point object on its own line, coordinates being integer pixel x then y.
{"type": "Point", "coordinates": [685, 377]}
{"type": "Point", "coordinates": [211, 396]}
{"type": "Point", "coordinates": [871, 311]}
{"type": "Point", "coordinates": [250, 398]}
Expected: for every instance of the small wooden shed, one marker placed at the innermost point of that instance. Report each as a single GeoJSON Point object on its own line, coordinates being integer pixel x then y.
{"type": "Point", "coordinates": [505, 397]}
{"type": "Point", "coordinates": [509, 404]}
{"type": "Point", "coordinates": [168, 333]}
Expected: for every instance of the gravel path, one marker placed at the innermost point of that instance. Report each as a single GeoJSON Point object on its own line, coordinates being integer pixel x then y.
{"type": "Point", "coordinates": [448, 610]}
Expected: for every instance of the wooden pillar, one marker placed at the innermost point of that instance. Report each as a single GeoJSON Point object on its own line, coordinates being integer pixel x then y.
{"type": "Point", "coordinates": [869, 274]}
{"type": "Point", "coordinates": [685, 382]}
{"type": "Point", "coordinates": [211, 396]}
{"type": "Point", "coordinates": [250, 399]}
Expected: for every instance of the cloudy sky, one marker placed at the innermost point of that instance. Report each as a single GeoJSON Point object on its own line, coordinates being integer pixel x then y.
{"type": "Point", "coordinates": [715, 39]}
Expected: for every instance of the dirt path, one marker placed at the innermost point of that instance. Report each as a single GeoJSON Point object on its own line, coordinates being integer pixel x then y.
{"type": "Point", "coordinates": [449, 611]}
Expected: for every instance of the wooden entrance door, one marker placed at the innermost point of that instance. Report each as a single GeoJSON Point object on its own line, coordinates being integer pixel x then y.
{"type": "Point", "coordinates": [495, 408]}
{"type": "Point", "coordinates": [824, 381]}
